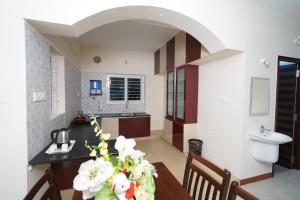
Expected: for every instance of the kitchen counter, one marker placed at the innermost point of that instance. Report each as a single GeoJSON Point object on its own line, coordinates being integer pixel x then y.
{"type": "Point", "coordinates": [79, 133]}
{"type": "Point", "coordinates": [118, 115]}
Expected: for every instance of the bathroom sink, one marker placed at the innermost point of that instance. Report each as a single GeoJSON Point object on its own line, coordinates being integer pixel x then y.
{"type": "Point", "coordinates": [270, 137]}
{"type": "Point", "coordinates": [266, 145]}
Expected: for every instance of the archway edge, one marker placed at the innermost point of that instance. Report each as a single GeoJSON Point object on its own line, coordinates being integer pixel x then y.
{"type": "Point", "coordinates": [93, 20]}
{"type": "Point", "coordinates": [211, 42]}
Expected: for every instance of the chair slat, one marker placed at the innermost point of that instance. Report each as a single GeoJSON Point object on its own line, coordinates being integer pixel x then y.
{"type": "Point", "coordinates": [203, 178]}
{"type": "Point", "coordinates": [196, 186]}
{"type": "Point", "coordinates": [191, 180]}
{"type": "Point", "coordinates": [215, 193]}
{"type": "Point", "coordinates": [201, 188]}
{"type": "Point", "coordinates": [208, 191]}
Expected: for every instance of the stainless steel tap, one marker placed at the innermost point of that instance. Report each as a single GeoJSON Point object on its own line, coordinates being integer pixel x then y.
{"type": "Point", "coordinates": [262, 129]}
{"type": "Point", "coordinates": [126, 104]}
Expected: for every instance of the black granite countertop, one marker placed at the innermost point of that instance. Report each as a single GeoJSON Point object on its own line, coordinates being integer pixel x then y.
{"type": "Point", "coordinates": [132, 114]}
{"type": "Point", "coordinates": [79, 133]}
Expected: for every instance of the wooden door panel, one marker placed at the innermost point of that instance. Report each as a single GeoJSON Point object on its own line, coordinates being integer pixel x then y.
{"type": "Point", "coordinates": [191, 94]}
{"type": "Point", "coordinates": [177, 139]}
{"type": "Point", "coordinates": [171, 54]}
{"type": "Point", "coordinates": [193, 48]}
{"type": "Point", "coordinates": [157, 62]}
{"type": "Point", "coordinates": [134, 127]}
{"type": "Point", "coordinates": [285, 109]}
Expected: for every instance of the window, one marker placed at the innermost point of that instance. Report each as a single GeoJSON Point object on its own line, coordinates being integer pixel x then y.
{"type": "Point", "coordinates": [57, 93]}
{"type": "Point", "coordinates": [117, 89]}
{"type": "Point", "coordinates": [125, 87]}
{"type": "Point", "coordinates": [134, 89]}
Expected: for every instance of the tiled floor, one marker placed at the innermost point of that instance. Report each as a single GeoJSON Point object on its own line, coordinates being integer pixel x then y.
{"type": "Point", "coordinates": [284, 186]}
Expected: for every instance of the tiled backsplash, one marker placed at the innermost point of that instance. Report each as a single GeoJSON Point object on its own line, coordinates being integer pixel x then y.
{"type": "Point", "coordinates": [93, 103]}
{"type": "Point", "coordinates": [38, 79]}
{"type": "Point", "coordinates": [72, 87]}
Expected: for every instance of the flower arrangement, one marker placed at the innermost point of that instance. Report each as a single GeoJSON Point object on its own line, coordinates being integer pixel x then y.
{"type": "Point", "coordinates": [126, 176]}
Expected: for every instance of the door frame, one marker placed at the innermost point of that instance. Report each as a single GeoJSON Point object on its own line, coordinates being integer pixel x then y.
{"type": "Point", "coordinates": [296, 60]}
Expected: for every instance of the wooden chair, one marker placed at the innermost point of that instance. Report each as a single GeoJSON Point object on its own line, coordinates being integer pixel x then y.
{"type": "Point", "coordinates": [235, 191]}
{"type": "Point", "coordinates": [214, 189]}
{"type": "Point", "coordinates": [52, 191]}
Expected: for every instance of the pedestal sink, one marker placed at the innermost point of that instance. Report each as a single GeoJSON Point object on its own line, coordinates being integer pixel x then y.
{"type": "Point", "coordinates": [266, 145]}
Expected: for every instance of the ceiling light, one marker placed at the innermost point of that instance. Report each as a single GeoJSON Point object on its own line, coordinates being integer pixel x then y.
{"type": "Point", "coordinates": [160, 14]}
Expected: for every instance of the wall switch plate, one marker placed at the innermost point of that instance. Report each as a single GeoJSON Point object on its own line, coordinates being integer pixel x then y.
{"type": "Point", "coordinates": [39, 96]}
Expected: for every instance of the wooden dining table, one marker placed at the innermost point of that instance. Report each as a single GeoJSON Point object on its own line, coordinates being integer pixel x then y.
{"type": "Point", "coordinates": [167, 186]}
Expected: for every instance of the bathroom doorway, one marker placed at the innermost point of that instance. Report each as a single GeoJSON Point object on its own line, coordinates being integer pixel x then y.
{"type": "Point", "coordinates": [287, 116]}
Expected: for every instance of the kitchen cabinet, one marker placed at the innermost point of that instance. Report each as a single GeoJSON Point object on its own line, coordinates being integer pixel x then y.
{"type": "Point", "coordinates": [177, 139]}
{"type": "Point", "coordinates": [178, 134]}
{"type": "Point", "coordinates": [170, 54]}
{"type": "Point", "coordinates": [187, 49]}
{"type": "Point", "coordinates": [157, 62]}
{"type": "Point", "coordinates": [193, 48]}
{"type": "Point", "coordinates": [170, 95]}
{"type": "Point", "coordinates": [134, 127]}
{"type": "Point", "coordinates": [186, 96]}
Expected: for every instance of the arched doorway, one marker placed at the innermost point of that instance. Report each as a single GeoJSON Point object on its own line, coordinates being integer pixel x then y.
{"type": "Point", "coordinates": [167, 16]}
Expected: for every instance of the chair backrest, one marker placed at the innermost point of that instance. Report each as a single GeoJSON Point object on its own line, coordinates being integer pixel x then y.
{"type": "Point", "coordinates": [52, 191]}
{"type": "Point", "coordinates": [235, 191]}
{"type": "Point", "coordinates": [210, 187]}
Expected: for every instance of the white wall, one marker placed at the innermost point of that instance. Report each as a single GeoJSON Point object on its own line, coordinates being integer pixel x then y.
{"type": "Point", "coordinates": [138, 62]}
{"type": "Point", "coordinates": [13, 144]}
{"type": "Point", "coordinates": [259, 30]}
{"type": "Point", "coordinates": [220, 111]}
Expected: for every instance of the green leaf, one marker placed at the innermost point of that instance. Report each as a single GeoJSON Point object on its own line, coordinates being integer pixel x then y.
{"type": "Point", "coordinates": [150, 184]}
{"type": "Point", "coordinates": [106, 193]}
{"type": "Point", "coordinates": [113, 159]}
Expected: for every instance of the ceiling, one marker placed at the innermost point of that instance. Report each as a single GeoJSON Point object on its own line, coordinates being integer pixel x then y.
{"type": "Point", "coordinates": [140, 35]}
{"type": "Point", "coordinates": [290, 7]}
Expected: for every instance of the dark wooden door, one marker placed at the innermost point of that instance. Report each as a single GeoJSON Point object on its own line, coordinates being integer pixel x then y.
{"type": "Point", "coordinates": [193, 48]}
{"type": "Point", "coordinates": [286, 109]}
{"type": "Point", "coordinates": [157, 62]}
{"type": "Point", "coordinates": [134, 127]}
{"type": "Point", "coordinates": [170, 54]}
{"type": "Point", "coordinates": [177, 138]}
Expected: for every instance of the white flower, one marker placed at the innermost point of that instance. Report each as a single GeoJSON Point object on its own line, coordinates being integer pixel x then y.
{"type": "Point", "coordinates": [144, 167]}
{"type": "Point", "coordinates": [91, 177]}
{"type": "Point", "coordinates": [124, 147]}
{"type": "Point", "coordinates": [137, 155]}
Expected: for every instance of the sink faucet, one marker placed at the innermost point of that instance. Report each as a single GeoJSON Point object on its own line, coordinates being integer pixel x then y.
{"type": "Point", "coordinates": [262, 129]}
{"type": "Point", "coordinates": [126, 104]}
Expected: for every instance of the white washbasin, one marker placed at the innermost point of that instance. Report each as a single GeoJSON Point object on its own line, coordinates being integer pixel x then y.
{"type": "Point", "coordinates": [269, 137]}
{"type": "Point", "coordinates": [266, 145]}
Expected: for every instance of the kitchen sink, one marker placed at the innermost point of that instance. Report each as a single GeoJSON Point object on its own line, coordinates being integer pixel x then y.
{"type": "Point", "coordinates": [127, 114]}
